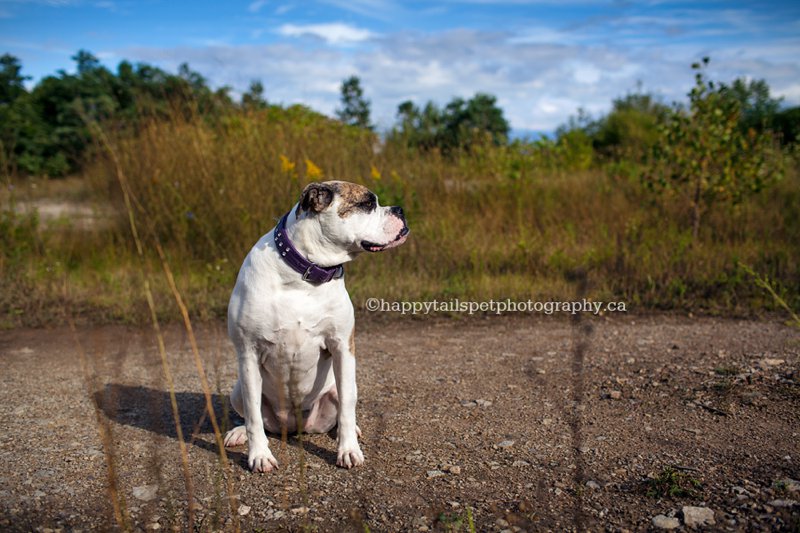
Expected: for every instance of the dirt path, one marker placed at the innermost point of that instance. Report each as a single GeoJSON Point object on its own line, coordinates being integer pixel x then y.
{"type": "Point", "coordinates": [477, 414]}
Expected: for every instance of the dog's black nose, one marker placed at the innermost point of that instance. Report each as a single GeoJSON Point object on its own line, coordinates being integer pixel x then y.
{"type": "Point", "coordinates": [397, 211]}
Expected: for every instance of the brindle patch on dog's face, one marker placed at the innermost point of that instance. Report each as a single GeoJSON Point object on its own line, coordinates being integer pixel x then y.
{"type": "Point", "coordinates": [354, 198]}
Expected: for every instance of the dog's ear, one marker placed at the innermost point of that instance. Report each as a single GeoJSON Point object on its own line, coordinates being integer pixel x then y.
{"type": "Point", "coordinates": [316, 197]}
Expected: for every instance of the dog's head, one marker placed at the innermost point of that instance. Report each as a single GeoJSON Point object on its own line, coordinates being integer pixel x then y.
{"type": "Point", "coordinates": [351, 218]}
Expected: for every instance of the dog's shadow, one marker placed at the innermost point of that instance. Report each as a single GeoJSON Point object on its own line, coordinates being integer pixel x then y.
{"type": "Point", "coordinates": [151, 409]}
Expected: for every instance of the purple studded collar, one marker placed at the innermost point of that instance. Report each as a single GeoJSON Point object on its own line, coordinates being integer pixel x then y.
{"type": "Point", "coordinates": [310, 271]}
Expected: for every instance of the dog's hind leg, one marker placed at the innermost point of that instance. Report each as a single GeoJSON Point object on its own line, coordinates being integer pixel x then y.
{"type": "Point", "coordinates": [238, 435]}
{"type": "Point", "coordinates": [322, 417]}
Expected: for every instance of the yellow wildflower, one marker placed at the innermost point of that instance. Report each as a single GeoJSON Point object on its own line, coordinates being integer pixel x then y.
{"type": "Point", "coordinates": [312, 170]}
{"type": "Point", "coordinates": [286, 165]}
{"type": "Point", "coordinates": [376, 174]}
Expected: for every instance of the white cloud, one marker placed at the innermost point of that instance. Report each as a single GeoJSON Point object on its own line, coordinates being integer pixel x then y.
{"type": "Point", "coordinates": [256, 6]}
{"type": "Point", "coordinates": [538, 84]}
{"type": "Point", "coordinates": [332, 33]}
{"type": "Point", "coordinates": [377, 9]}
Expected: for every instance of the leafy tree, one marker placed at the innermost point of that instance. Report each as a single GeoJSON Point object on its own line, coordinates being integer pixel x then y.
{"type": "Point", "coordinates": [704, 156]}
{"type": "Point", "coordinates": [419, 128]}
{"type": "Point", "coordinates": [631, 129]}
{"type": "Point", "coordinates": [463, 119]}
{"type": "Point", "coordinates": [14, 112]}
{"type": "Point", "coordinates": [45, 130]}
{"type": "Point", "coordinates": [12, 82]}
{"type": "Point", "coordinates": [458, 125]}
{"type": "Point", "coordinates": [355, 110]}
{"type": "Point", "coordinates": [86, 62]}
{"type": "Point", "coordinates": [254, 97]}
{"type": "Point", "coordinates": [757, 108]}
{"type": "Point", "coordinates": [64, 103]}
{"type": "Point", "coordinates": [787, 125]}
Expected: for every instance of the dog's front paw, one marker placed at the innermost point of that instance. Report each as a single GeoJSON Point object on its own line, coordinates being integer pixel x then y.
{"type": "Point", "coordinates": [262, 462]}
{"type": "Point", "coordinates": [349, 455]}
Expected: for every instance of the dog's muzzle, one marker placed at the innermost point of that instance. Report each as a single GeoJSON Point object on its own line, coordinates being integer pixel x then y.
{"type": "Point", "coordinates": [397, 241]}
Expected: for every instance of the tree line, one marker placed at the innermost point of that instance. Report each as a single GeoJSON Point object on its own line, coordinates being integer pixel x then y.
{"type": "Point", "coordinates": [45, 129]}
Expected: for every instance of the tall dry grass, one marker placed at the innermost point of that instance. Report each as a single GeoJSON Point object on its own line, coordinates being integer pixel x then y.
{"type": "Point", "coordinates": [496, 222]}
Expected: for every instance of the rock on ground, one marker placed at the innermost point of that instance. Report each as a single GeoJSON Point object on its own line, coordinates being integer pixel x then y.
{"type": "Point", "coordinates": [666, 522]}
{"type": "Point", "coordinates": [695, 517]}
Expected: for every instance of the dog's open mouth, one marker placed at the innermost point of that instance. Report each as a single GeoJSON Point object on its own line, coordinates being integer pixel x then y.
{"type": "Point", "coordinates": [400, 239]}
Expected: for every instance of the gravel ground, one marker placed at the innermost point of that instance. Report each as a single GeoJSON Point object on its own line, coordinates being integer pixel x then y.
{"type": "Point", "coordinates": [517, 423]}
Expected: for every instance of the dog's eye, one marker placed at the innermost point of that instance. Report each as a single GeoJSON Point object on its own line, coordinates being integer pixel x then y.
{"type": "Point", "coordinates": [368, 204]}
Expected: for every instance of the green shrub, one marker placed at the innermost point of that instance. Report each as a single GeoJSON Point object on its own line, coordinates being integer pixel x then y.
{"type": "Point", "coordinates": [704, 157]}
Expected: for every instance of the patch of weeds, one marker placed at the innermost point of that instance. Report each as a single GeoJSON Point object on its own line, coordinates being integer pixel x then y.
{"type": "Point", "coordinates": [673, 483]}
{"type": "Point", "coordinates": [457, 521]}
{"type": "Point", "coordinates": [779, 486]}
{"type": "Point", "coordinates": [723, 386]}
{"type": "Point", "coordinates": [730, 370]}
{"type": "Point", "coordinates": [773, 289]}
{"type": "Point", "coordinates": [727, 373]}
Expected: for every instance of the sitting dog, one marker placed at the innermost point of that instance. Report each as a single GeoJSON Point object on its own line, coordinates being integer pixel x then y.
{"type": "Point", "coordinates": [291, 320]}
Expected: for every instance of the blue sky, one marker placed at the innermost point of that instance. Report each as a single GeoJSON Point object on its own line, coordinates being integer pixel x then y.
{"type": "Point", "coordinates": [543, 59]}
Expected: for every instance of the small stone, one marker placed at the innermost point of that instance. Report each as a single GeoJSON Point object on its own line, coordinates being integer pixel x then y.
{"type": "Point", "coordinates": [455, 469]}
{"type": "Point", "coordinates": [483, 403]}
{"type": "Point", "coordinates": [421, 521]}
{"type": "Point", "coordinates": [547, 421]}
{"type": "Point", "coordinates": [771, 362]}
{"type": "Point", "coordinates": [468, 403]}
{"type": "Point", "coordinates": [278, 514]}
{"type": "Point", "coordinates": [300, 510]}
{"type": "Point", "coordinates": [615, 395]}
{"type": "Point", "coordinates": [145, 493]}
{"type": "Point", "coordinates": [155, 526]}
{"type": "Point", "coordinates": [505, 444]}
{"type": "Point", "coordinates": [434, 473]}
{"type": "Point", "coordinates": [740, 492]}
{"type": "Point", "coordinates": [520, 463]}
{"type": "Point", "coordinates": [244, 510]}
{"type": "Point", "coordinates": [592, 484]}
{"type": "Point", "coordinates": [666, 522]}
{"type": "Point", "coordinates": [502, 523]}
{"type": "Point", "coordinates": [790, 485]}
{"type": "Point", "coordinates": [783, 503]}
{"type": "Point", "coordinates": [695, 517]}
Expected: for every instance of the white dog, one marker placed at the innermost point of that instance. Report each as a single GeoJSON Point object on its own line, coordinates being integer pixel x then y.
{"type": "Point", "coordinates": [291, 320]}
